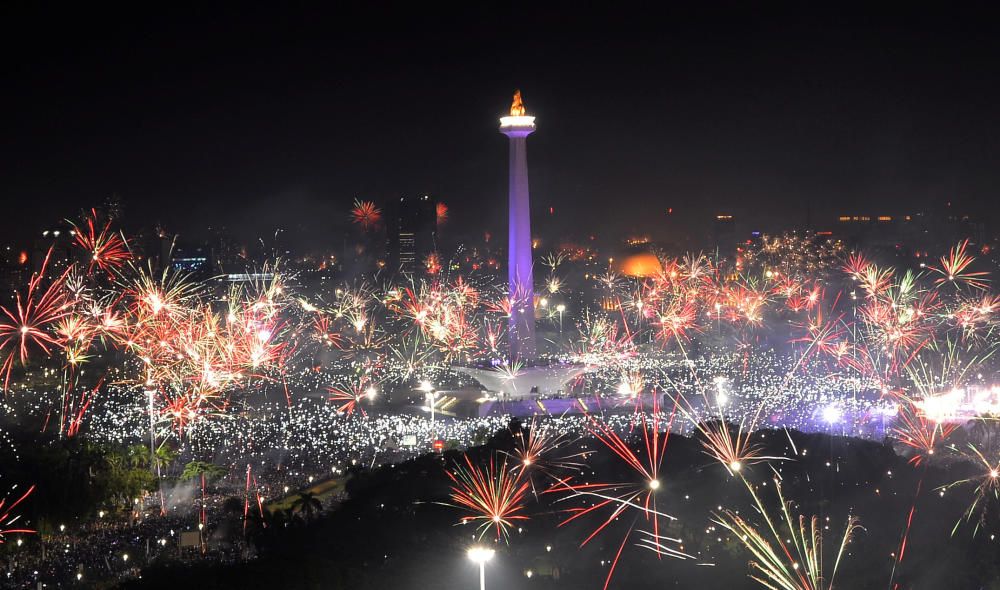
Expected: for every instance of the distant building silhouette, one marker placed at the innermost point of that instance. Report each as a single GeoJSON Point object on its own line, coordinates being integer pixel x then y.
{"type": "Point", "coordinates": [724, 233]}
{"type": "Point", "coordinates": [411, 227]}
{"type": "Point", "coordinates": [194, 259]}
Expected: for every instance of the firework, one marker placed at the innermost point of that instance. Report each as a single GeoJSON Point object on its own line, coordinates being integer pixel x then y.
{"type": "Point", "coordinates": [612, 500]}
{"type": "Point", "coordinates": [8, 519]}
{"type": "Point", "coordinates": [987, 487]}
{"type": "Point", "coordinates": [107, 249]}
{"type": "Point", "coordinates": [954, 269]}
{"type": "Point", "coordinates": [365, 214]}
{"type": "Point", "coordinates": [493, 494]}
{"type": "Point", "coordinates": [350, 397]}
{"type": "Point", "coordinates": [920, 434]}
{"type": "Point", "coordinates": [789, 559]}
{"type": "Point", "coordinates": [30, 325]}
{"type": "Point", "coordinates": [540, 449]}
{"type": "Point", "coordinates": [731, 446]}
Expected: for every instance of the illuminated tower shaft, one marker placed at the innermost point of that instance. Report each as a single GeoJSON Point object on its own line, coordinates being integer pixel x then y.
{"type": "Point", "coordinates": [517, 128]}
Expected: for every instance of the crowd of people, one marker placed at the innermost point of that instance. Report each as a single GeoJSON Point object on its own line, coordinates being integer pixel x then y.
{"type": "Point", "coordinates": [283, 444]}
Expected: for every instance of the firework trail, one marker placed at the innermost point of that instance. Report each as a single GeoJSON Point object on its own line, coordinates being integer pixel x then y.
{"type": "Point", "coordinates": [987, 487]}
{"type": "Point", "coordinates": [615, 499]}
{"type": "Point", "coordinates": [789, 559]}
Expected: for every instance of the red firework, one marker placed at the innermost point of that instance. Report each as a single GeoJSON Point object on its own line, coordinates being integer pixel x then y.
{"type": "Point", "coordinates": [31, 323]}
{"type": "Point", "coordinates": [77, 408]}
{"type": "Point", "coordinates": [920, 434]}
{"type": "Point", "coordinates": [972, 315]}
{"type": "Point", "coordinates": [855, 265]}
{"type": "Point", "coordinates": [676, 321]}
{"type": "Point", "coordinates": [538, 449]}
{"type": "Point", "coordinates": [187, 408]}
{"type": "Point", "coordinates": [613, 500]}
{"type": "Point", "coordinates": [108, 249]}
{"type": "Point", "coordinates": [365, 214]}
{"type": "Point", "coordinates": [351, 396]}
{"type": "Point", "coordinates": [432, 263]}
{"type": "Point", "coordinates": [8, 518]}
{"type": "Point", "coordinates": [827, 337]}
{"type": "Point", "coordinates": [325, 333]}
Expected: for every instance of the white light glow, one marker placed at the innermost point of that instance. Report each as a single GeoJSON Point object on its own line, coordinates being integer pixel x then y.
{"type": "Point", "coordinates": [522, 121]}
{"type": "Point", "coordinates": [480, 554]}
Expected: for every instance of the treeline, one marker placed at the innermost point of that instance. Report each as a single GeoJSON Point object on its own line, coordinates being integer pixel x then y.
{"type": "Point", "coordinates": [396, 529]}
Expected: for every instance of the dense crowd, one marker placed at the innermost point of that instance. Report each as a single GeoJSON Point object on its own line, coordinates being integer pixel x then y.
{"type": "Point", "coordinates": [291, 442]}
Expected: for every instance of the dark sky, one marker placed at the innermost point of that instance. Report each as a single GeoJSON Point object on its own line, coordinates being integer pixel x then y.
{"type": "Point", "coordinates": [254, 118]}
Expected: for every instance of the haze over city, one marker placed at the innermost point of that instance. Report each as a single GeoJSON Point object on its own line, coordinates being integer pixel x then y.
{"type": "Point", "coordinates": [225, 113]}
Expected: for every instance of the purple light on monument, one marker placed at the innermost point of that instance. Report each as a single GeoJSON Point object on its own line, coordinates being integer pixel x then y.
{"type": "Point", "coordinates": [517, 127]}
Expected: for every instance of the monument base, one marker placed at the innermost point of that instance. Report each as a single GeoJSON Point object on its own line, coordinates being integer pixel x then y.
{"type": "Point", "coordinates": [529, 382]}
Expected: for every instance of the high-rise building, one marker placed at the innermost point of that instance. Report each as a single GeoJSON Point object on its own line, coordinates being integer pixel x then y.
{"type": "Point", "coordinates": [193, 258]}
{"type": "Point", "coordinates": [411, 224]}
{"type": "Point", "coordinates": [517, 127]}
{"type": "Point", "coordinates": [724, 233]}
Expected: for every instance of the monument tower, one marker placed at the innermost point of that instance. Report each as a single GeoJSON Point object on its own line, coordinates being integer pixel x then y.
{"type": "Point", "coordinates": [517, 127]}
{"type": "Point", "coordinates": [536, 378]}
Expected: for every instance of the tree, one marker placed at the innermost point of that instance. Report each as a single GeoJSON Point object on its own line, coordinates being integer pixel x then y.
{"type": "Point", "coordinates": [307, 504]}
{"type": "Point", "coordinates": [137, 456]}
{"type": "Point", "coordinates": [164, 456]}
{"type": "Point", "coordinates": [206, 471]}
{"type": "Point", "coordinates": [125, 475]}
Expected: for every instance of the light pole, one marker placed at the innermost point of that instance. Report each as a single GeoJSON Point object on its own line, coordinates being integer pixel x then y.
{"type": "Point", "coordinates": [560, 308]}
{"type": "Point", "coordinates": [481, 555]}
{"type": "Point", "coordinates": [150, 393]}
{"type": "Point", "coordinates": [429, 395]}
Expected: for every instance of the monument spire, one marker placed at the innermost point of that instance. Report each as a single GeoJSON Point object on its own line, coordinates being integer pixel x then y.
{"type": "Point", "coordinates": [517, 127]}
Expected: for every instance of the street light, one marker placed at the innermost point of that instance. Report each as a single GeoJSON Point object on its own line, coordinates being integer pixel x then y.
{"type": "Point", "coordinates": [560, 308]}
{"type": "Point", "coordinates": [429, 395]}
{"type": "Point", "coordinates": [481, 555]}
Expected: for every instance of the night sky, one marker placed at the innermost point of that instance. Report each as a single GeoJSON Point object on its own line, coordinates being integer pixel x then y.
{"type": "Point", "coordinates": [253, 119]}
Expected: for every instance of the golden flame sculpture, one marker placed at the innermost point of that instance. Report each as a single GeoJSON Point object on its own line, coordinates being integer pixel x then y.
{"type": "Point", "coordinates": [516, 106]}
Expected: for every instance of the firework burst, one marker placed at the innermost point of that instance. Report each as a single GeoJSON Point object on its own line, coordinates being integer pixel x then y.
{"type": "Point", "coordinates": [30, 325]}
{"type": "Point", "coordinates": [107, 249]}
{"type": "Point", "coordinates": [494, 495]}
{"type": "Point", "coordinates": [954, 269]}
{"type": "Point", "coordinates": [365, 214]}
